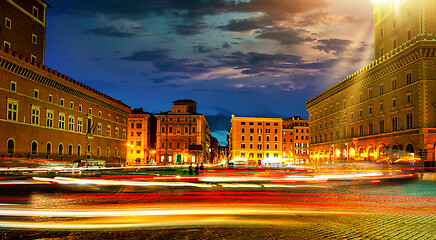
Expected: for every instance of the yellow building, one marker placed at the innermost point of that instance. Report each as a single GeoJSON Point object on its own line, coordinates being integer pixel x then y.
{"type": "Point", "coordinates": [256, 141]}
{"type": "Point", "coordinates": [388, 107]}
{"type": "Point", "coordinates": [141, 137]}
{"type": "Point", "coordinates": [182, 135]}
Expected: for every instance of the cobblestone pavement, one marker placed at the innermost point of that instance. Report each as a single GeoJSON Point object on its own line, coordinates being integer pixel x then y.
{"type": "Point", "coordinates": [309, 227]}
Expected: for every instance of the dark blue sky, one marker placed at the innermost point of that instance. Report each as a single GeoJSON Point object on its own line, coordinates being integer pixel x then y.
{"type": "Point", "coordinates": [261, 58]}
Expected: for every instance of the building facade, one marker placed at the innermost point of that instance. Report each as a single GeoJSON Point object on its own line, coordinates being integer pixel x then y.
{"type": "Point", "coordinates": [296, 140]}
{"type": "Point", "coordinates": [256, 141]}
{"type": "Point", "coordinates": [141, 138]}
{"type": "Point", "coordinates": [47, 115]}
{"type": "Point", "coordinates": [182, 135]}
{"type": "Point", "coordinates": [22, 27]}
{"type": "Point", "coordinates": [385, 111]}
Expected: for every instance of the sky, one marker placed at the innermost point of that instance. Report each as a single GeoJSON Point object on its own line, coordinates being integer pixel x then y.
{"type": "Point", "coordinates": [248, 58]}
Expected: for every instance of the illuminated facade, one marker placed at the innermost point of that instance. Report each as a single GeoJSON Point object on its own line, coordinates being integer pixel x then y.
{"type": "Point", "coordinates": [45, 114]}
{"type": "Point", "coordinates": [387, 107]}
{"type": "Point", "coordinates": [296, 140]}
{"type": "Point", "coordinates": [182, 135]}
{"type": "Point", "coordinates": [141, 138]}
{"type": "Point", "coordinates": [256, 141]}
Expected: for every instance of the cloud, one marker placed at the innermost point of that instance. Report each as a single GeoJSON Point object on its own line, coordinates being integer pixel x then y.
{"type": "Point", "coordinates": [285, 36]}
{"type": "Point", "coordinates": [202, 49]}
{"type": "Point", "coordinates": [148, 56]}
{"type": "Point", "coordinates": [189, 29]}
{"type": "Point", "coordinates": [333, 45]}
{"type": "Point", "coordinates": [112, 31]}
{"type": "Point", "coordinates": [247, 24]}
{"type": "Point", "coordinates": [227, 45]}
{"type": "Point", "coordinates": [316, 18]}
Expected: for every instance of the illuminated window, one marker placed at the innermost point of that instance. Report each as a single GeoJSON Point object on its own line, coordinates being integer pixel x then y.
{"type": "Point", "coordinates": [61, 122]}
{"type": "Point", "coordinates": [35, 115]}
{"type": "Point", "coordinates": [70, 123]}
{"type": "Point", "coordinates": [32, 58]}
{"type": "Point", "coordinates": [49, 118]}
{"type": "Point", "coordinates": [7, 46]}
{"type": "Point", "coordinates": [12, 110]}
{"type": "Point", "coordinates": [108, 131]}
{"type": "Point", "coordinates": [50, 98]}
{"type": "Point", "coordinates": [99, 127]}
{"type": "Point", "coordinates": [71, 105]}
{"type": "Point", "coordinates": [79, 125]}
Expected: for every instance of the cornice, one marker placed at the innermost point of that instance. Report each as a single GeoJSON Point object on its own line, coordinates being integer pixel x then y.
{"type": "Point", "coordinates": [420, 47]}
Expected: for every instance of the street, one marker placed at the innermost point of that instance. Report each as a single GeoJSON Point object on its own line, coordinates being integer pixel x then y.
{"type": "Point", "coordinates": [96, 208]}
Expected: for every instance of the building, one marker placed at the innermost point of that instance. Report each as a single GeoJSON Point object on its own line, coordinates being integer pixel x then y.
{"type": "Point", "coordinates": [47, 115]}
{"type": "Point", "coordinates": [182, 135]}
{"type": "Point", "coordinates": [256, 141]}
{"type": "Point", "coordinates": [296, 140]}
{"type": "Point", "coordinates": [385, 111]}
{"type": "Point", "coordinates": [24, 27]}
{"type": "Point", "coordinates": [141, 138]}
{"type": "Point", "coordinates": [215, 151]}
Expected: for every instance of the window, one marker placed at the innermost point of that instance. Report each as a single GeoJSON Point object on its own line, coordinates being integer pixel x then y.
{"type": "Point", "coordinates": [34, 39]}
{"type": "Point", "coordinates": [71, 105]}
{"type": "Point", "coordinates": [70, 150]}
{"type": "Point", "coordinates": [371, 129]}
{"type": "Point", "coordinates": [394, 43]}
{"type": "Point", "coordinates": [107, 152]}
{"type": "Point", "coordinates": [394, 84]}
{"type": "Point", "coordinates": [251, 138]}
{"type": "Point", "coordinates": [394, 102]}
{"type": "Point", "coordinates": [109, 117]}
{"type": "Point", "coordinates": [79, 125]}
{"type": "Point", "coordinates": [108, 131]}
{"type": "Point", "coordinates": [267, 146]}
{"type": "Point", "coordinates": [259, 146]}
{"type": "Point", "coordinates": [409, 123]}
{"type": "Point", "coordinates": [251, 123]}
{"type": "Point", "coordinates": [139, 125]}
{"type": "Point", "coordinates": [11, 146]}
{"type": "Point", "coordinates": [98, 151]}
{"type": "Point", "coordinates": [12, 110]}
{"type": "Point", "coordinates": [409, 35]}
{"type": "Point", "coordinates": [61, 122]}
{"type": "Point", "coordinates": [361, 130]}
{"type": "Point", "coordinates": [116, 119]}
{"type": "Point", "coordinates": [35, 93]}
{"type": "Point", "coordinates": [62, 102]}
{"type": "Point", "coordinates": [409, 78]}
{"type": "Point", "coordinates": [99, 128]}
{"type": "Point", "coordinates": [60, 149]}
{"type": "Point", "coordinates": [243, 130]}
{"type": "Point", "coordinates": [242, 146]}
{"type": "Point", "coordinates": [48, 149]}
{"type": "Point", "coordinates": [99, 113]}
{"type": "Point", "coordinates": [7, 46]}
{"type": "Point", "coordinates": [382, 126]}
{"type": "Point", "coordinates": [124, 134]}
{"type": "Point", "coordinates": [276, 124]}
{"type": "Point", "coordinates": [35, 115]}
{"type": "Point", "coordinates": [90, 111]}
{"type": "Point", "coordinates": [170, 130]}
{"type": "Point", "coordinates": [79, 150]}
{"type": "Point", "coordinates": [409, 98]}
{"type": "Point", "coordinates": [242, 123]}
{"type": "Point", "coordinates": [370, 94]}
{"type": "Point", "coordinates": [132, 125]}
{"type": "Point", "coordinates": [49, 118]}
{"type": "Point", "coordinates": [50, 98]}
{"type": "Point", "coordinates": [381, 90]}
{"type": "Point", "coordinates": [360, 112]}
{"type": "Point", "coordinates": [34, 148]}
{"type": "Point", "coordinates": [70, 123]}
{"type": "Point", "coordinates": [8, 23]}
{"type": "Point", "coordinates": [32, 58]}
{"type": "Point", "coordinates": [13, 86]}
{"type": "Point", "coordinates": [394, 124]}
{"type": "Point", "coordinates": [35, 12]}
{"type": "Point", "coordinates": [381, 106]}
{"type": "Point", "coordinates": [117, 133]}
{"type": "Point", "coordinates": [370, 109]}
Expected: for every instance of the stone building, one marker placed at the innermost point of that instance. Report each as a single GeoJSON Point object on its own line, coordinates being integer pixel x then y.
{"type": "Point", "coordinates": [141, 138]}
{"type": "Point", "coordinates": [182, 135]}
{"type": "Point", "coordinates": [296, 140]}
{"type": "Point", "coordinates": [385, 111]}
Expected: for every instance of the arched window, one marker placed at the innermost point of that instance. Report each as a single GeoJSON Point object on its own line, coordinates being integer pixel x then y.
{"type": "Point", "coordinates": [70, 150]}
{"type": "Point", "coordinates": [48, 149]}
{"type": "Point", "coordinates": [107, 152]}
{"type": "Point", "coordinates": [98, 151]}
{"type": "Point", "coordinates": [410, 148]}
{"type": "Point", "coordinates": [34, 148]}
{"type": "Point", "coordinates": [79, 150]}
{"type": "Point", "coordinates": [61, 149]}
{"type": "Point", "coordinates": [11, 146]}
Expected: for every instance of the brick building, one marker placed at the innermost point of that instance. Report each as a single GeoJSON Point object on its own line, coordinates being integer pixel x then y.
{"type": "Point", "coordinates": [46, 114]}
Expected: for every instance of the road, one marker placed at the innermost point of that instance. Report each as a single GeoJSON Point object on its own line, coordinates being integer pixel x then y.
{"type": "Point", "coordinates": [96, 208]}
